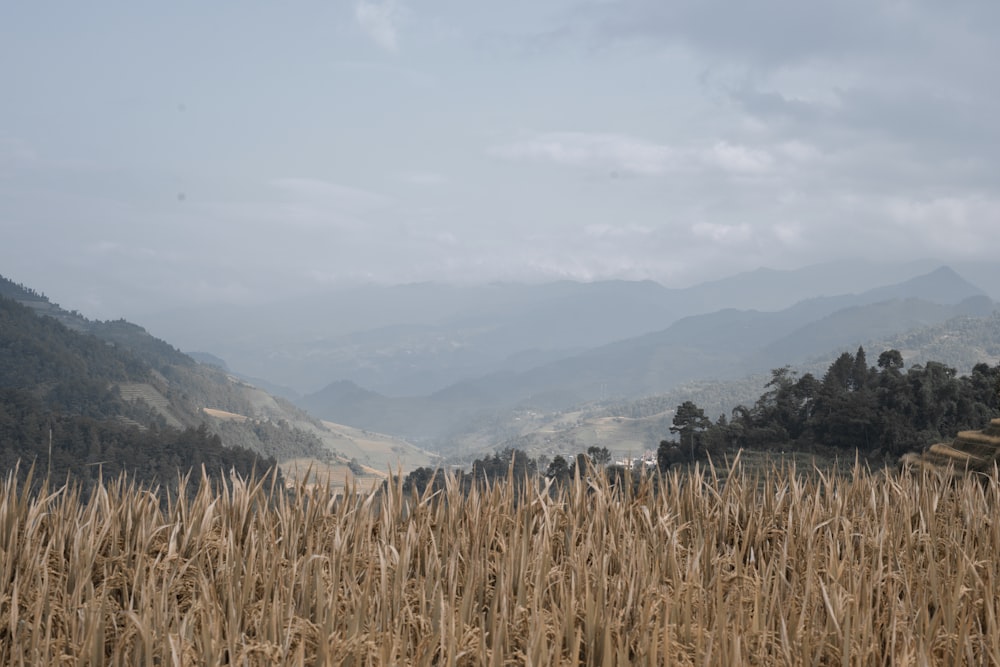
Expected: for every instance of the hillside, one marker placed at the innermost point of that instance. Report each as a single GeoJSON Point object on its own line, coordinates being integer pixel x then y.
{"type": "Point", "coordinates": [884, 320]}
{"type": "Point", "coordinates": [721, 346]}
{"type": "Point", "coordinates": [62, 411]}
{"type": "Point", "coordinates": [960, 342]}
{"type": "Point", "coordinates": [129, 386]}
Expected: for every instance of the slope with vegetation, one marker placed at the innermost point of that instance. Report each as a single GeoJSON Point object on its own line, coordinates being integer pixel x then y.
{"type": "Point", "coordinates": [72, 363]}
{"type": "Point", "coordinates": [61, 409]}
{"type": "Point", "coordinates": [959, 344]}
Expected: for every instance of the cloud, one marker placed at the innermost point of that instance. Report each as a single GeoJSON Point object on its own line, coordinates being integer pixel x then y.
{"type": "Point", "coordinates": [739, 159]}
{"type": "Point", "coordinates": [19, 155]}
{"type": "Point", "coordinates": [424, 178]}
{"type": "Point", "coordinates": [852, 75]}
{"type": "Point", "coordinates": [320, 190]}
{"type": "Point", "coordinates": [606, 231]}
{"type": "Point", "coordinates": [725, 234]}
{"type": "Point", "coordinates": [788, 233]}
{"type": "Point", "coordinates": [768, 33]}
{"type": "Point", "coordinates": [773, 105]}
{"type": "Point", "coordinates": [621, 153]}
{"type": "Point", "coordinates": [379, 21]}
{"type": "Point", "coordinates": [592, 150]}
{"type": "Point", "coordinates": [958, 225]}
{"type": "Point", "coordinates": [745, 134]}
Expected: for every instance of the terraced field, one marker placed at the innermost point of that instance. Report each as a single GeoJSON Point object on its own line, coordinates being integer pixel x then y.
{"type": "Point", "coordinates": [135, 391]}
{"type": "Point", "coordinates": [970, 451]}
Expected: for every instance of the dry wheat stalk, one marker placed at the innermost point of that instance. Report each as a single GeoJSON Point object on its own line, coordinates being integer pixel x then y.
{"type": "Point", "coordinates": [747, 567]}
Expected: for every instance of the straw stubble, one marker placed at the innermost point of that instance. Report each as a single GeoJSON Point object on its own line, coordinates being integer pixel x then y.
{"type": "Point", "coordinates": [772, 567]}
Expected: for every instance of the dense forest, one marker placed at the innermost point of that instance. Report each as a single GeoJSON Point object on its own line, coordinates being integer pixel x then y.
{"type": "Point", "coordinates": [877, 409]}
{"type": "Point", "coordinates": [61, 411]}
{"type": "Point", "coordinates": [61, 446]}
{"type": "Point", "coordinates": [67, 371]}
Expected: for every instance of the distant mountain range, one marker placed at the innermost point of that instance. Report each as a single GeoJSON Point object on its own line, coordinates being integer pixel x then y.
{"type": "Point", "coordinates": [433, 364]}
{"type": "Point", "coordinates": [414, 340]}
{"type": "Point", "coordinates": [726, 344]}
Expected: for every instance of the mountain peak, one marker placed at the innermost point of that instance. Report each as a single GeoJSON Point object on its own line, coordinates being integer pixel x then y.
{"type": "Point", "coordinates": [943, 285]}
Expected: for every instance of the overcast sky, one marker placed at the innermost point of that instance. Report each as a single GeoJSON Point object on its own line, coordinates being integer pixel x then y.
{"type": "Point", "coordinates": [171, 151]}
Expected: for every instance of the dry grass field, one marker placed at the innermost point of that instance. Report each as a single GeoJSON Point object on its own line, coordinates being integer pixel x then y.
{"type": "Point", "coordinates": [766, 568]}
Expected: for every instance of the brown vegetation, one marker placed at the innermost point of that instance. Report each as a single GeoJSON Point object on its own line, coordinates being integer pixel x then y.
{"type": "Point", "coordinates": [970, 451]}
{"type": "Point", "coordinates": [746, 568]}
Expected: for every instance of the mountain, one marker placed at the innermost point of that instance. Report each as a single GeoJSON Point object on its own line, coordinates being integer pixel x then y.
{"type": "Point", "coordinates": [984, 274]}
{"type": "Point", "coordinates": [630, 426]}
{"type": "Point", "coordinates": [721, 345]}
{"type": "Point", "coordinates": [959, 343]}
{"type": "Point", "coordinates": [773, 289]}
{"type": "Point", "coordinates": [408, 340]}
{"type": "Point", "coordinates": [111, 393]}
{"type": "Point", "coordinates": [412, 339]}
{"type": "Point", "coordinates": [943, 286]}
{"type": "Point", "coordinates": [732, 342]}
{"type": "Point", "coordinates": [62, 407]}
{"type": "Point", "coordinates": [488, 360]}
{"type": "Point", "coordinates": [853, 325]}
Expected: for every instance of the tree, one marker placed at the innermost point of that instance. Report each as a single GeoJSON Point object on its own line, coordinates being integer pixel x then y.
{"type": "Point", "coordinates": [786, 405]}
{"type": "Point", "coordinates": [419, 479]}
{"type": "Point", "coordinates": [599, 456]}
{"type": "Point", "coordinates": [503, 462]}
{"type": "Point", "coordinates": [859, 373]}
{"type": "Point", "coordinates": [719, 437]}
{"type": "Point", "coordinates": [355, 467]}
{"type": "Point", "coordinates": [890, 360]}
{"type": "Point", "coordinates": [558, 469]}
{"type": "Point", "coordinates": [689, 421]}
{"type": "Point", "coordinates": [667, 454]}
{"type": "Point", "coordinates": [839, 377]}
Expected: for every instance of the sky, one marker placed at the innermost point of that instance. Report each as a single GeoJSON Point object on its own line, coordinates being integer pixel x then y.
{"type": "Point", "coordinates": [155, 154]}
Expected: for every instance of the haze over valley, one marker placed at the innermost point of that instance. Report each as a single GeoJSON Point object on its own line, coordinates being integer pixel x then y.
{"type": "Point", "coordinates": [455, 372]}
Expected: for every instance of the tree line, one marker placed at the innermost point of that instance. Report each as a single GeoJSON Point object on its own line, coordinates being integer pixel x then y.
{"type": "Point", "coordinates": [878, 410]}
{"type": "Point", "coordinates": [64, 446]}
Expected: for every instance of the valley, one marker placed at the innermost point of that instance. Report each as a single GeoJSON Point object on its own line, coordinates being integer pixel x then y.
{"type": "Point", "coordinates": [526, 366]}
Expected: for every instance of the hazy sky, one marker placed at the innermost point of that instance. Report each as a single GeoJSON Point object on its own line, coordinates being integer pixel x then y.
{"type": "Point", "coordinates": [207, 151]}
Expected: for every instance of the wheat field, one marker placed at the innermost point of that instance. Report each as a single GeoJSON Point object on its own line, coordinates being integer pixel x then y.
{"type": "Point", "coordinates": [739, 567]}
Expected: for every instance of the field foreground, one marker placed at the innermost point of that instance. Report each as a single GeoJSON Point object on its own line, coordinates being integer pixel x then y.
{"type": "Point", "coordinates": [754, 568]}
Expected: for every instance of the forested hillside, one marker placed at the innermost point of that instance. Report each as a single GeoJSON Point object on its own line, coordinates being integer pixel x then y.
{"type": "Point", "coordinates": [84, 397]}
{"type": "Point", "coordinates": [166, 382]}
{"type": "Point", "coordinates": [63, 367]}
{"type": "Point", "coordinates": [65, 370]}
{"type": "Point", "coordinates": [61, 410]}
{"type": "Point", "coordinates": [878, 409]}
